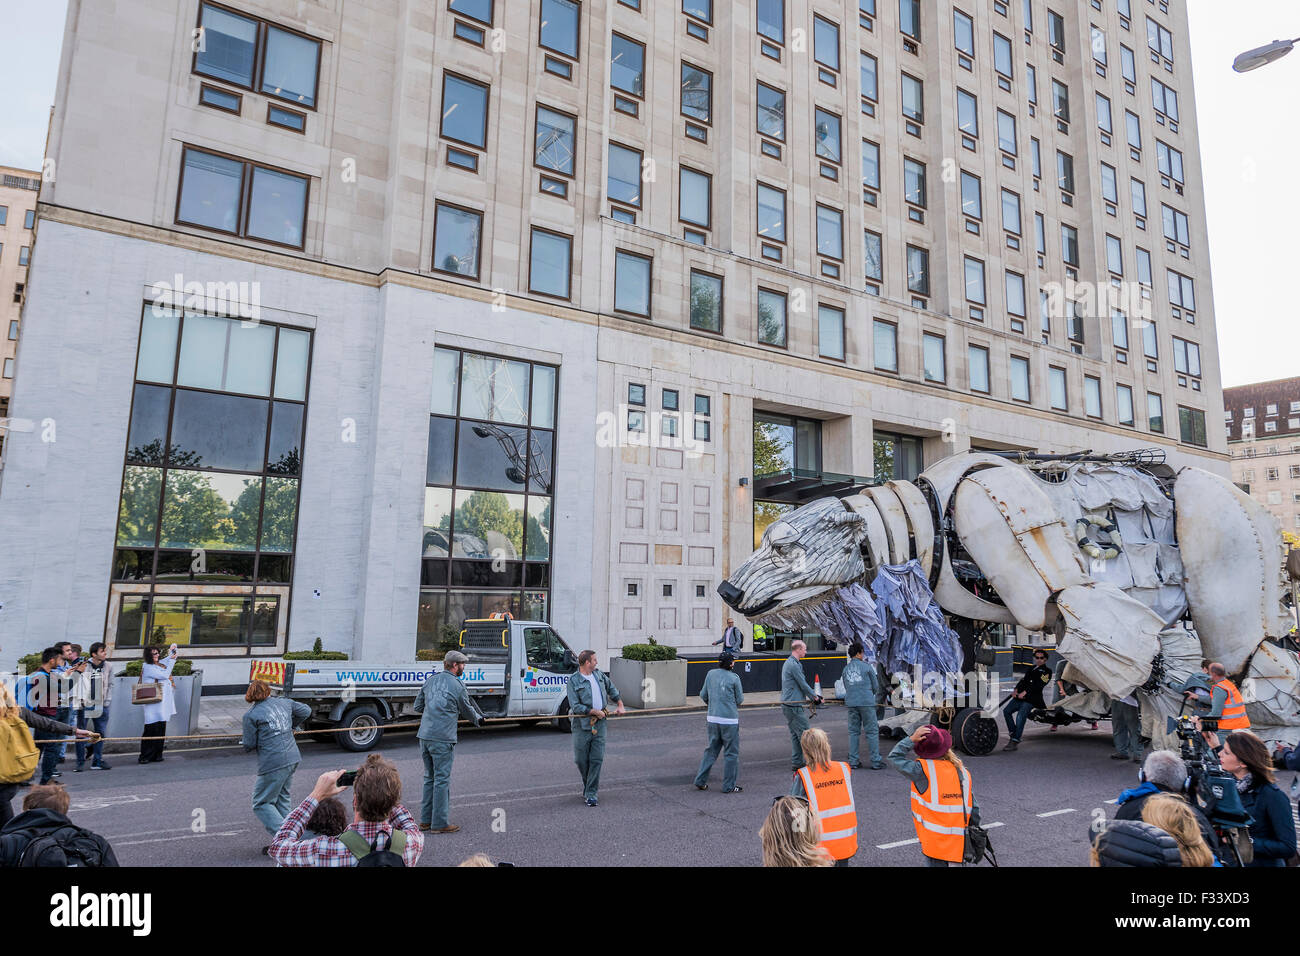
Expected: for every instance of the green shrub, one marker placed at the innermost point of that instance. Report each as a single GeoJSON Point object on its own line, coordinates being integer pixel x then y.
{"type": "Point", "coordinates": [317, 653]}
{"type": "Point", "coordinates": [430, 654]}
{"type": "Point", "coordinates": [29, 664]}
{"type": "Point", "coordinates": [648, 652]}
{"type": "Point", "coordinates": [182, 668]}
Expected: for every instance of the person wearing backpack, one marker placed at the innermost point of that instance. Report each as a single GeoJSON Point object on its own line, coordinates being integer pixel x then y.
{"type": "Point", "coordinates": [383, 832]}
{"type": "Point", "coordinates": [42, 835]}
{"type": "Point", "coordinates": [19, 755]}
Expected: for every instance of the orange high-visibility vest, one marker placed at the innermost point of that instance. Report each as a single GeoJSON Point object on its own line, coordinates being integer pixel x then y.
{"type": "Point", "coordinates": [1234, 708]}
{"type": "Point", "coordinates": [942, 812]}
{"type": "Point", "coordinates": [830, 798]}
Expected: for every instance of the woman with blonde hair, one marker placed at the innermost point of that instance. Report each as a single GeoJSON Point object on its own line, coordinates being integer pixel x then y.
{"type": "Point", "coordinates": [1175, 817]}
{"type": "Point", "coordinates": [943, 805]}
{"type": "Point", "coordinates": [827, 786]}
{"type": "Point", "coordinates": [791, 837]}
{"type": "Point", "coordinates": [20, 756]}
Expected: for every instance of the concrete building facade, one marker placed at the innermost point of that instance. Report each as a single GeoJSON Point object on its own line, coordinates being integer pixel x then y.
{"type": "Point", "coordinates": [18, 191]}
{"type": "Point", "coordinates": [1262, 423]}
{"type": "Point", "coordinates": [437, 309]}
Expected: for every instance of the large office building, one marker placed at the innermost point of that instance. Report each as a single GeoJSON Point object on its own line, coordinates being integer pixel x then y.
{"type": "Point", "coordinates": [18, 189]}
{"type": "Point", "coordinates": [1262, 423]}
{"type": "Point", "coordinates": [359, 317]}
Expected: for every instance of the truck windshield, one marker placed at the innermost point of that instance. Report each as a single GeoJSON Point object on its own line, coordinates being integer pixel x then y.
{"type": "Point", "coordinates": [545, 650]}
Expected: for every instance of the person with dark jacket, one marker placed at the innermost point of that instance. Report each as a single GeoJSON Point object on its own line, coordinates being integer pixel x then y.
{"type": "Point", "coordinates": [1134, 843]}
{"type": "Point", "coordinates": [47, 727]}
{"type": "Point", "coordinates": [1163, 772]}
{"type": "Point", "coordinates": [46, 837]}
{"type": "Point", "coordinates": [1287, 758]}
{"type": "Point", "coordinates": [1246, 757]}
{"type": "Point", "coordinates": [1027, 696]}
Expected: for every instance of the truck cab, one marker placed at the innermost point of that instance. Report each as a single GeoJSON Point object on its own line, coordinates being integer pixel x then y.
{"type": "Point", "coordinates": [517, 668]}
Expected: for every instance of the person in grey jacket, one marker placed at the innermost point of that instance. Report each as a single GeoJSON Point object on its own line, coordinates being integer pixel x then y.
{"type": "Point", "coordinates": [861, 692]}
{"type": "Point", "coordinates": [268, 729]}
{"type": "Point", "coordinates": [795, 694]}
{"type": "Point", "coordinates": [590, 691]}
{"type": "Point", "coordinates": [907, 761]}
{"type": "Point", "coordinates": [442, 700]}
{"type": "Point", "coordinates": [724, 695]}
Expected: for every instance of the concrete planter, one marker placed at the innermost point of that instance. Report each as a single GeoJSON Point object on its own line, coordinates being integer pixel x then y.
{"type": "Point", "coordinates": [126, 719]}
{"type": "Point", "coordinates": [646, 684]}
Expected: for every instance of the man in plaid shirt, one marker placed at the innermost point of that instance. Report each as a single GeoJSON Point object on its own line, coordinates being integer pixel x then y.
{"type": "Point", "coordinates": [376, 796]}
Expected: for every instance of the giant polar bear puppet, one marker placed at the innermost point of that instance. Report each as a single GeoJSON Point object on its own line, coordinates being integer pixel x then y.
{"type": "Point", "coordinates": [1139, 571]}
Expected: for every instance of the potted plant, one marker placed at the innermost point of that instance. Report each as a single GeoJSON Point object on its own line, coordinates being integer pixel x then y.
{"type": "Point", "coordinates": [127, 720]}
{"type": "Point", "coordinates": [650, 675]}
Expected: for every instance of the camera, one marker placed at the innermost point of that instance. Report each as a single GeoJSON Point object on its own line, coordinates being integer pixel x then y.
{"type": "Point", "coordinates": [1213, 788]}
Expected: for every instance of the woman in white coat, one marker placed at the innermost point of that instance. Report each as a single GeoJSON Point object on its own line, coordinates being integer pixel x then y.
{"type": "Point", "coordinates": [156, 715]}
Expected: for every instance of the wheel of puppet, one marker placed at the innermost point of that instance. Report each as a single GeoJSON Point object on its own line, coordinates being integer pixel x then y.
{"type": "Point", "coordinates": [1107, 544]}
{"type": "Point", "coordinates": [974, 734]}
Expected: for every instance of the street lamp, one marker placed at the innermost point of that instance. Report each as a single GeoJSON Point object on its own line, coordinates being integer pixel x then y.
{"type": "Point", "coordinates": [1262, 55]}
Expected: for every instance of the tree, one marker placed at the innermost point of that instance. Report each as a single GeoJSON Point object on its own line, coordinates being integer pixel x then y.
{"type": "Point", "coordinates": [486, 512]}
{"type": "Point", "coordinates": [772, 452]}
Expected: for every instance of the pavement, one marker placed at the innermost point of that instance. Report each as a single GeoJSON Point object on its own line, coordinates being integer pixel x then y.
{"type": "Point", "coordinates": [515, 793]}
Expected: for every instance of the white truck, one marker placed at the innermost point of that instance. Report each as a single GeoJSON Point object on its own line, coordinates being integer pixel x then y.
{"type": "Point", "coordinates": [515, 669]}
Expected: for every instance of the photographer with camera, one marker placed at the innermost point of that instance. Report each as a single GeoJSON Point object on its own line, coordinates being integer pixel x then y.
{"type": "Point", "coordinates": [383, 832]}
{"type": "Point", "coordinates": [1272, 829]}
{"type": "Point", "coordinates": [1163, 773]}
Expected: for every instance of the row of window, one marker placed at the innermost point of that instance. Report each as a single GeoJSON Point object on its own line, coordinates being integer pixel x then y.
{"type": "Point", "coordinates": [1272, 474]}
{"type": "Point", "coordinates": [24, 254]}
{"type": "Point", "coordinates": [29, 217]}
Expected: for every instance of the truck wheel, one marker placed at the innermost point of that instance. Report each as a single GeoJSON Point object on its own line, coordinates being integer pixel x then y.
{"type": "Point", "coordinates": [364, 729]}
{"type": "Point", "coordinates": [974, 734]}
{"type": "Point", "coordinates": [562, 722]}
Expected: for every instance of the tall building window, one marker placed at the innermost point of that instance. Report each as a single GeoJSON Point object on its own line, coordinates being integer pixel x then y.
{"type": "Point", "coordinates": [706, 301]}
{"type": "Point", "coordinates": [963, 29]}
{"type": "Point", "coordinates": [625, 175]}
{"type": "Point", "coordinates": [873, 250]}
{"type": "Point", "coordinates": [550, 259]}
{"type": "Point", "coordinates": [1124, 404]}
{"type": "Point", "coordinates": [554, 145]}
{"type": "Point", "coordinates": [771, 213]}
{"type": "Point", "coordinates": [968, 113]}
{"type": "Point", "coordinates": [632, 283]}
{"type": "Point", "coordinates": [974, 281]}
{"type": "Point", "coordinates": [972, 205]}
{"type": "Point", "coordinates": [918, 270]}
{"type": "Point", "coordinates": [771, 20]}
{"type": "Point", "coordinates": [1175, 224]}
{"type": "Point", "coordinates": [697, 93]}
{"type": "Point", "coordinates": [909, 18]}
{"type": "Point", "coordinates": [978, 360]}
{"type": "Point", "coordinates": [488, 525]}
{"type": "Point", "coordinates": [826, 46]}
{"type": "Point", "coordinates": [884, 345]}
{"type": "Point", "coordinates": [242, 198]}
{"type": "Point", "coordinates": [1092, 396]}
{"type": "Point", "coordinates": [1002, 63]}
{"type": "Point", "coordinates": [1104, 122]}
{"type": "Point", "coordinates": [934, 360]}
{"type": "Point", "coordinates": [771, 111]}
{"type": "Point", "coordinates": [1020, 378]}
{"type": "Point", "coordinates": [914, 182]}
{"type": "Point", "coordinates": [1006, 133]}
{"type": "Point", "coordinates": [560, 25]}
{"type": "Point", "coordinates": [1155, 413]}
{"type": "Point", "coordinates": [1015, 289]}
{"type": "Point", "coordinates": [830, 233]}
{"type": "Point", "coordinates": [830, 331]}
{"type": "Point", "coordinates": [772, 317]}
{"type": "Point", "coordinates": [913, 98]}
{"type": "Point", "coordinates": [1010, 212]}
{"type": "Point", "coordinates": [1191, 426]}
{"type": "Point", "coordinates": [457, 240]}
{"type": "Point", "coordinates": [1057, 389]}
{"type": "Point", "coordinates": [826, 126]}
{"type": "Point", "coordinates": [695, 197]}
{"type": "Point", "coordinates": [627, 71]}
{"type": "Point", "coordinates": [1138, 193]}
{"type": "Point", "coordinates": [207, 521]}
{"type": "Point", "coordinates": [868, 75]}
{"type": "Point", "coordinates": [1187, 357]}
{"type": "Point", "coordinates": [257, 55]}
{"type": "Point", "coordinates": [1070, 245]}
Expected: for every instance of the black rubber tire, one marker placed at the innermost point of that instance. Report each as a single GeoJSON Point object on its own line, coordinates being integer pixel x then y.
{"type": "Point", "coordinates": [365, 728]}
{"type": "Point", "coordinates": [562, 722]}
{"type": "Point", "coordinates": [974, 734]}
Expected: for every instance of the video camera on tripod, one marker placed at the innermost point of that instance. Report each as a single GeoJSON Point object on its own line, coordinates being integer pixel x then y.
{"type": "Point", "coordinates": [1213, 787]}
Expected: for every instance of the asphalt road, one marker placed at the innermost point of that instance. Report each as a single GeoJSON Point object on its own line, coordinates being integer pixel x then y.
{"type": "Point", "coordinates": [515, 794]}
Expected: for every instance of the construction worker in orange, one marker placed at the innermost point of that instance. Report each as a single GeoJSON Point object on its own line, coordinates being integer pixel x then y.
{"type": "Point", "coordinates": [827, 786]}
{"type": "Point", "coordinates": [942, 802]}
{"type": "Point", "coordinates": [1227, 705]}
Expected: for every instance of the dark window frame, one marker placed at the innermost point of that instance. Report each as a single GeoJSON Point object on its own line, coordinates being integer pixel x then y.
{"type": "Point", "coordinates": [478, 261]}
{"type": "Point", "coordinates": [245, 197]}
{"type": "Point", "coordinates": [532, 233]}
{"type": "Point", "coordinates": [259, 55]}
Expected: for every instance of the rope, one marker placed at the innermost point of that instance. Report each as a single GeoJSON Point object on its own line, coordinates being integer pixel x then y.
{"type": "Point", "coordinates": [651, 712]}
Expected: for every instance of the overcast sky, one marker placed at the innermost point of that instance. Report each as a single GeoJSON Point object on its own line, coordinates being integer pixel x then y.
{"type": "Point", "coordinates": [1250, 147]}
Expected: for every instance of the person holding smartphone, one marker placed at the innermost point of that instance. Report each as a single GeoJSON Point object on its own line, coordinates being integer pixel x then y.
{"type": "Point", "coordinates": [157, 715]}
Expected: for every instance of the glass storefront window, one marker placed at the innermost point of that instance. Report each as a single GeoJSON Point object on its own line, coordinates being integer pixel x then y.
{"type": "Point", "coordinates": [494, 389]}
{"type": "Point", "coordinates": [897, 457]}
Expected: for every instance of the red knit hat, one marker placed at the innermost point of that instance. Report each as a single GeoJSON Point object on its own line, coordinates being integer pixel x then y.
{"type": "Point", "coordinates": [935, 744]}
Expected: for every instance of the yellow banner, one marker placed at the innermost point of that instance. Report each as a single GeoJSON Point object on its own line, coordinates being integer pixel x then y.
{"type": "Point", "coordinates": [175, 628]}
{"type": "Point", "coordinates": [270, 671]}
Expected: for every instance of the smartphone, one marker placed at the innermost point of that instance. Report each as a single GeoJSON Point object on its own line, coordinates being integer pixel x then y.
{"type": "Point", "coordinates": [346, 779]}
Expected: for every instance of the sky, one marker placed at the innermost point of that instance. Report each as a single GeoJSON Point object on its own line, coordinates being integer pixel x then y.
{"type": "Point", "coordinates": [1249, 135]}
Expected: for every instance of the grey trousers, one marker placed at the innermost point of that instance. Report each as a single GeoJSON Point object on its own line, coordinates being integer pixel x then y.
{"type": "Point", "coordinates": [796, 718]}
{"type": "Point", "coordinates": [724, 739]}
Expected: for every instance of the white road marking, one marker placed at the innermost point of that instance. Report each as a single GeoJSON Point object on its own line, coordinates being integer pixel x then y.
{"type": "Point", "coordinates": [103, 803]}
{"type": "Point", "coordinates": [1057, 813]}
{"type": "Point", "coordinates": [192, 836]}
{"type": "Point", "coordinates": [890, 846]}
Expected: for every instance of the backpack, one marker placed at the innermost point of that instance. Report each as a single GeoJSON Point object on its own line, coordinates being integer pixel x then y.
{"type": "Point", "coordinates": [369, 854]}
{"type": "Point", "coordinates": [19, 755]}
{"type": "Point", "coordinates": [67, 845]}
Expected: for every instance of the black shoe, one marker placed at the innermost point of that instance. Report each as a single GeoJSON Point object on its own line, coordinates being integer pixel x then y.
{"type": "Point", "coordinates": [157, 760]}
{"type": "Point", "coordinates": [1012, 745]}
{"type": "Point", "coordinates": [142, 760]}
{"type": "Point", "coordinates": [592, 802]}
{"type": "Point", "coordinates": [855, 766]}
{"type": "Point", "coordinates": [266, 850]}
{"type": "Point", "coordinates": [57, 773]}
{"type": "Point", "coordinates": [1118, 756]}
{"type": "Point", "coordinates": [101, 766]}
{"type": "Point", "coordinates": [701, 786]}
{"type": "Point", "coordinates": [877, 766]}
{"type": "Point", "coordinates": [735, 790]}
{"type": "Point", "coordinates": [79, 768]}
